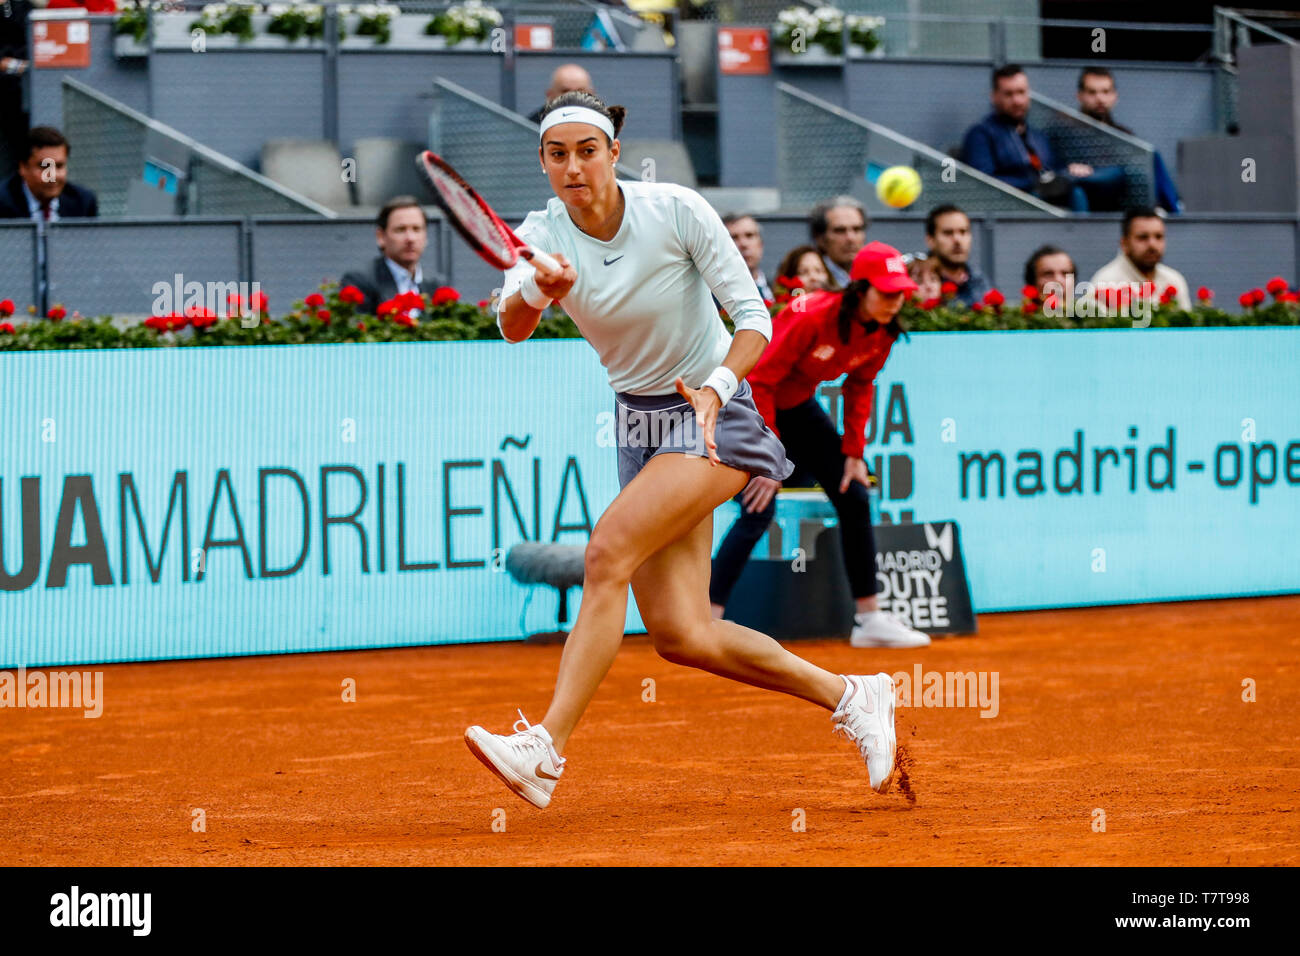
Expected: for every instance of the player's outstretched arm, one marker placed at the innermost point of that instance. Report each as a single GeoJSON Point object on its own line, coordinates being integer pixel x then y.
{"type": "Point", "coordinates": [523, 309]}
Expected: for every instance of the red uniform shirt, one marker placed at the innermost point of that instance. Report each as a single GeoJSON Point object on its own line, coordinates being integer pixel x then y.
{"type": "Point", "coordinates": [806, 350]}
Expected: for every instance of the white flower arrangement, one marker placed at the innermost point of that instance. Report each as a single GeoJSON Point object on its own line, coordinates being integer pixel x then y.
{"type": "Point", "coordinates": [862, 30]}
{"type": "Point", "coordinates": [798, 27]}
{"type": "Point", "coordinates": [373, 19]}
{"type": "Point", "coordinates": [295, 20]}
{"type": "Point", "coordinates": [471, 20]}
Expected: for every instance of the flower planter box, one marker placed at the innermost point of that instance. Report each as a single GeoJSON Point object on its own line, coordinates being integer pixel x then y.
{"type": "Point", "coordinates": [172, 31]}
{"type": "Point", "coordinates": [857, 52]}
{"type": "Point", "coordinates": [815, 55]}
{"type": "Point", "coordinates": [407, 31]}
{"type": "Point", "coordinates": [125, 45]}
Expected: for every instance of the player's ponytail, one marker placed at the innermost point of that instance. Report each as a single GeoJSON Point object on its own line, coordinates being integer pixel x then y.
{"type": "Point", "coordinates": [851, 309]}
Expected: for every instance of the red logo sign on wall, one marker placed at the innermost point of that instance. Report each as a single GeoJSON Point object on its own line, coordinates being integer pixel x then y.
{"type": "Point", "coordinates": [744, 50]}
{"type": "Point", "coordinates": [60, 43]}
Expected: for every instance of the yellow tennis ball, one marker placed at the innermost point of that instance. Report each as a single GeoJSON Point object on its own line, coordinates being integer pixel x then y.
{"type": "Point", "coordinates": [898, 186]}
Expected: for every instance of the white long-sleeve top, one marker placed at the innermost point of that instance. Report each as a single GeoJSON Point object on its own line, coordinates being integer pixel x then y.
{"type": "Point", "coordinates": [644, 298]}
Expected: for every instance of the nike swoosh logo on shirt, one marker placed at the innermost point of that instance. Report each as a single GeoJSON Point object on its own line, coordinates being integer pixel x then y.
{"type": "Point", "coordinates": [615, 259]}
{"type": "Point", "coordinates": [542, 773]}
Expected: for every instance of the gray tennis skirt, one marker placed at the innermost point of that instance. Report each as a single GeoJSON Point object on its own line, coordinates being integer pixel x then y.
{"type": "Point", "coordinates": [651, 424]}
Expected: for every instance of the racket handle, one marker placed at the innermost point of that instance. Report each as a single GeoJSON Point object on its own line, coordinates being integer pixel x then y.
{"type": "Point", "coordinates": [540, 259]}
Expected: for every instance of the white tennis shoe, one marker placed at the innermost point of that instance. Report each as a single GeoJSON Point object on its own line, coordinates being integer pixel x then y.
{"type": "Point", "coordinates": [878, 629]}
{"type": "Point", "coordinates": [866, 718]}
{"type": "Point", "coordinates": [525, 760]}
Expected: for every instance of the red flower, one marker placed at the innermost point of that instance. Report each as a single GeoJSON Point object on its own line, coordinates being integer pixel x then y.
{"type": "Point", "coordinates": [1029, 308]}
{"type": "Point", "coordinates": [1289, 297]}
{"type": "Point", "coordinates": [1029, 292]}
{"type": "Point", "coordinates": [445, 293]}
{"type": "Point", "coordinates": [1276, 285]}
{"type": "Point", "coordinates": [6, 307]}
{"type": "Point", "coordinates": [386, 308]}
{"type": "Point", "coordinates": [258, 300]}
{"type": "Point", "coordinates": [948, 288]}
{"type": "Point", "coordinates": [1168, 295]}
{"type": "Point", "coordinates": [166, 323]}
{"type": "Point", "coordinates": [351, 295]}
{"type": "Point", "coordinates": [361, 326]}
{"type": "Point", "coordinates": [7, 327]}
{"type": "Point", "coordinates": [1246, 300]}
{"type": "Point", "coordinates": [1204, 294]}
{"type": "Point", "coordinates": [199, 318]}
{"type": "Point", "coordinates": [994, 298]}
{"type": "Point", "coordinates": [1257, 295]}
{"type": "Point", "coordinates": [410, 300]}
{"type": "Point", "coordinates": [403, 318]}
{"type": "Point", "coordinates": [323, 315]}
{"type": "Point", "coordinates": [484, 303]}
{"type": "Point", "coordinates": [794, 282]}
{"type": "Point", "coordinates": [315, 300]}
{"type": "Point", "coordinates": [1052, 301]}
{"type": "Point", "coordinates": [56, 313]}
{"type": "Point", "coordinates": [929, 304]}
{"type": "Point", "coordinates": [235, 304]}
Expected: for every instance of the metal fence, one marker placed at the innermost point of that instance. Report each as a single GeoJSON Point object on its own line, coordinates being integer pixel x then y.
{"type": "Point", "coordinates": [112, 266]}
{"type": "Point", "coordinates": [116, 157]}
{"type": "Point", "coordinates": [1233, 29]}
{"type": "Point", "coordinates": [823, 150]}
{"type": "Point", "coordinates": [1081, 139]}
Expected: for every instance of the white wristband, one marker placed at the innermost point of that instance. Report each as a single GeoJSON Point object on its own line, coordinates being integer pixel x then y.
{"type": "Point", "coordinates": [534, 296]}
{"type": "Point", "coordinates": [723, 381]}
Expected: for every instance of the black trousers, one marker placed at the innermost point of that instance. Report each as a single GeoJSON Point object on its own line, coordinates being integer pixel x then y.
{"type": "Point", "coordinates": [813, 444]}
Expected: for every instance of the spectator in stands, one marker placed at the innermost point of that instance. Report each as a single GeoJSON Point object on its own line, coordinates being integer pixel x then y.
{"type": "Point", "coordinates": [924, 271]}
{"type": "Point", "coordinates": [567, 78]}
{"type": "Point", "coordinates": [747, 234]}
{"type": "Point", "coordinates": [948, 237]}
{"type": "Point", "coordinates": [839, 229]}
{"type": "Point", "coordinates": [40, 189]}
{"type": "Point", "coordinates": [1140, 260]}
{"type": "Point", "coordinates": [1097, 98]}
{"type": "Point", "coordinates": [13, 64]}
{"type": "Point", "coordinates": [1007, 148]}
{"type": "Point", "coordinates": [805, 264]}
{"type": "Point", "coordinates": [401, 232]}
{"type": "Point", "coordinates": [1049, 264]}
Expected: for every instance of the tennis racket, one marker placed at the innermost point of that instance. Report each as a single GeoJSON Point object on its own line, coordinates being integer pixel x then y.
{"type": "Point", "coordinates": [474, 219]}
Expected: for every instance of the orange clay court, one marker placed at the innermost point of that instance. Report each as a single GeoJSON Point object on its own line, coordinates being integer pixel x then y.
{"type": "Point", "coordinates": [1135, 711]}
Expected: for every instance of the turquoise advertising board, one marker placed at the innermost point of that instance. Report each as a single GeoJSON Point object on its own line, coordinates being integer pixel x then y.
{"type": "Point", "coordinates": [168, 503]}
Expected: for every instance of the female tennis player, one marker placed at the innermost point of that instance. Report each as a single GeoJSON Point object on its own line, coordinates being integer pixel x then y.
{"type": "Point", "coordinates": [820, 337]}
{"type": "Point", "coordinates": [640, 262]}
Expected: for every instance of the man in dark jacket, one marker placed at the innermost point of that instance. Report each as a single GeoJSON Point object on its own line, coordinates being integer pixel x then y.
{"type": "Point", "coordinates": [14, 62]}
{"type": "Point", "coordinates": [402, 233]}
{"type": "Point", "coordinates": [1004, 146]}
{"type": "Point", "coordinates": [40, 189]}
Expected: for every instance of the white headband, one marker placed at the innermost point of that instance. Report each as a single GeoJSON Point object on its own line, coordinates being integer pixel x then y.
{"type": "Point", "coordinates": [577, 114]}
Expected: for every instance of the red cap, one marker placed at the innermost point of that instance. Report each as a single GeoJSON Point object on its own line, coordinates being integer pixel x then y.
{"type": "Point", "coordinates": [883, 267]}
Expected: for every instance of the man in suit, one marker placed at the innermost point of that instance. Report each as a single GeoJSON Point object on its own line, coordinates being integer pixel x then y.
{"type": "Point", "coordinates": [747, 234]}
{"type": "Point", "coordinates": [14, 62]}
{"type": "Point", "coordinates": [40, 189]}
{"type": "Point", "coordinates": [402, 233]}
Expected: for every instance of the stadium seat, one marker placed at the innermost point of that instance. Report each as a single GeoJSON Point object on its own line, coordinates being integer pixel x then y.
{"type": "Point", "coordinates": [312, 167]}
{"type": "Point", "coordinates": [672, 164]}
{"type": "Point", "coordinates": [386, 168]}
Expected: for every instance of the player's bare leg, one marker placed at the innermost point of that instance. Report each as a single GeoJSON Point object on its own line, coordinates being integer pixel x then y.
{"type": "Point", "coordinates": [671, 499]}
